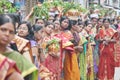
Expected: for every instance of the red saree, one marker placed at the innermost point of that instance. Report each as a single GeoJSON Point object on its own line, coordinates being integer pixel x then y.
{"type": "Point", "coordinates": [106, 64]}
{"type": "Point", "coordinates": [7, 67]}
{"type": "Point", "coordinates": [51, 46]}
{"type": "Point", "coordinates": [117, 49]}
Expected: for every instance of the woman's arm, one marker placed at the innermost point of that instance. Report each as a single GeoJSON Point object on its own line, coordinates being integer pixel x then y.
{"type": "Point", "coordinates": [29, 15]}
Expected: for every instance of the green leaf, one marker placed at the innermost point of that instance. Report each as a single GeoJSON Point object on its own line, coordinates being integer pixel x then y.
{"type": "Point", "coordinates": [5, 4]}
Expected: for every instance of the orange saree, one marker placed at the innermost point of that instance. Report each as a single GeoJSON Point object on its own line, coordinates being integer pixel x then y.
{"type": "Point", "coordinates": [71, 69]}
{"type": "Point", "coordinates": [106, 64]}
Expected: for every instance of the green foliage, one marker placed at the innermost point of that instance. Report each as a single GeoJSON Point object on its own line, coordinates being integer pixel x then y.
{"type": "Point", "coordinates": [44, 9]}
{"type": "Point", "coordinates": [57, 3]}
{"type": "Point", "coordinates": [103, 11]}
{"type": "Point", "coordinates": [53, 41]}
{"type": "Point", "coordinates": [6, 5]}
{"type": "Point", "coordinates": [41, 12]}
{"type": "Point", "coordinates": [67, 6]}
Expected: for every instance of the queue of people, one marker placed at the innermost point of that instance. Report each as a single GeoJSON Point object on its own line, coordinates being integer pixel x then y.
{"type": "Point", "coordinates": [60, 48]}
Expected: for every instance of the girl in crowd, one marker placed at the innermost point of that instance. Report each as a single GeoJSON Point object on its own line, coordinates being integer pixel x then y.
{"type": "Point", "coordinates": [40, 22]}
{"type": "Point", "coordinates": [82, 57]}
{"type": "Point", "coordinates": [25, 30]}
{"type": "Point", "coordinates": [8, 68]}
{"type": "Point", "coordinates": [24, 40]}
{"type": "Point", "coordinates": [80, 47]}
{"type": "Point", "coordinates": [89, 53]}
{"type": "Point", "coordinates": [44, 73]}
{"type": "Point", "coordinates": [7, 30]}
{"type": "Point", "coordinates": [106, 46]}
{"type": "Point", "coordinates": [22, 64]}
{"type": "Point", "coordinates": [70, 65]}
{"type": "Point", "coordinates": [96, 47]}
{"type": "Point", "coordinates": [38, 30]}
{"type": "Point", "coordinates": [51, 50]}
{"type": "Point", "coordinates": [76, 40]}
{"type": "Point", "coordinates": [117, 54]}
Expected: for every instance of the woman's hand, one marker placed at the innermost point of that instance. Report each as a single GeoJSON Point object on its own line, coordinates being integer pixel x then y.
{"type": "Point", "coordinates": [29, 15]}
{"type": "Point", "coordinates": [55, 54]}
{"type": "Point", "coordinates": [15, 76]}
{"type": "Point", "coordinates": [110, 40]}
{"type": "Point", "coordinates": [79, 48]}
{"type": "Point", "coordinates": [105, 42]}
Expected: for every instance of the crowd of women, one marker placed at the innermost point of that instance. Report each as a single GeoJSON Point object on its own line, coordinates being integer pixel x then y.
{"type": "Point", "coordinates": [59, 48]}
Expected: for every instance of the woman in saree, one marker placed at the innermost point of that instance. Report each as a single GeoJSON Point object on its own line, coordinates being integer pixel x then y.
{"type": "Point", "coordinates": [44, 73]}
{"type": "Point", "coordinates": [96, 47]}
{"type": "Point", "coordinates": [117, 54]}
{"type": "Point", "coordinates": [75, 31]}
{"type": "Point", "coordinates": [25, 32]}
{"type": "Point", "coordinates": [7, 28]}
{"type": "Point", "coordinates": [51, 49]}
{"type": "Point", "coordinates": [106, 64]}
{"type": "Point", "coordinates": [82, 57]}
{"type": "Point", "coordinates": [80, 47]}
{"type": "Point", "coordinates": [69, 57]}
{"type": "Point", "coordinates": [89, 52]}
{"type": "Point", "coordinates": [7, 33]}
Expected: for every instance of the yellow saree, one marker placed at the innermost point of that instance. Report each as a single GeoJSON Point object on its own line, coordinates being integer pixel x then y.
{"type": "Point", "coordinates": [23, 46]}
{"type": "Point", "coordinates": [71, 69]}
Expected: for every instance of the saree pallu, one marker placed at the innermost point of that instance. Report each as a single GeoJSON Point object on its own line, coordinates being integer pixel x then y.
{"type": "Point", "coordinates": [53, 65]}
{"type": "Point", "coordinates": [70, 67]}
{"type": "Point", "coordinates": [107, 63]}
{"type": "Point", "coordinates": [106, 33]}
{"type": "Point", "coordinates": [27, 68]}
{"type": "Point", "coordinates": [83, 68]}
{"type": "Point", "coordinates": [117, 49]}
{"type": "Point", "coordinates": [90, 65]}
{"type": "Point", "coordinates": [82, 58]}
{"type": "Point", "coordinates": [24, 47]}
{"type": "Point", "coordinates": [71, 70]}
{"type": "Point", "coordinates": [7, 67]}
{"type": "Point", "coordinates": [117, 55]}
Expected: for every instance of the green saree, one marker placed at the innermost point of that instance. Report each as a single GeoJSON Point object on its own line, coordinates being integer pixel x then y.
{"type": "Point", "coordinates": [27, 68]}
{"type": "Point", "coordinates": [82, 59]}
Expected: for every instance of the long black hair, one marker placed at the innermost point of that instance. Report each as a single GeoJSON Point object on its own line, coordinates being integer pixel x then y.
{"type": "Point", "coordinates": [30, 30]}
{"type": "Point", "coordinates": [69, 24]}
{"type": "Point", "coordinates": [6, 19]}
{"type": "Point", "coordinates": [73, 22]}
{"type": "Point", "coordinates": [15, 17]}
{"type": "Point", "coordinates": [36, 27]}
{"type": "Point", "coordinates": [87, 22]}
{"type": "Point", "coordinates": [106, 19]}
